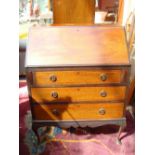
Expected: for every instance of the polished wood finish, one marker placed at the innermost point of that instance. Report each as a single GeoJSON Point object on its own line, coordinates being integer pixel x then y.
{"type": "Point", "coordinates": [73, 11]}
{"type": "Point", "coordinates": [75, 112]}
{"type": "Point", "coordinates": [44, 78]}
{"type": "Point", "coordinates": [120, 11]}
{"type": "Point", "coordinates": [76, 94]}
{"type": "Point", "coordinates": [77, 76]}
{"type": "Point", "coordinates": [77, 45]}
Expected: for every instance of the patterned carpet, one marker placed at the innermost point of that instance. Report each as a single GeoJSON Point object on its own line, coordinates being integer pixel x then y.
{"type": "Point", "coordinates": [87, 141]}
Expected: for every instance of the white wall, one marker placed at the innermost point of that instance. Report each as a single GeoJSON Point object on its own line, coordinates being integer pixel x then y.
{"type": "Point", "coordinates": [128, 8]}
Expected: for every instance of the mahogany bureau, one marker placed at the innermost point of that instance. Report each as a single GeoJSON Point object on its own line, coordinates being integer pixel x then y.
{"type": "Point", "coordinates": [77, 76]}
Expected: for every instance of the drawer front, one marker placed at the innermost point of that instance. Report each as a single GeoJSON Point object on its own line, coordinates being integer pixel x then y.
{"type": "Point", "coordinates": [76, 94]}
{"type": "Point", "coordinates": [96, 111]}
{"type": "Point", "coordinates": [79, 77]}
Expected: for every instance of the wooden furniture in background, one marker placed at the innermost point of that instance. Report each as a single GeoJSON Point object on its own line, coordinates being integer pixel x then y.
{"type": "Point", "coordinates": [106, 5]}
{"type": "Point", "coordinates": [73, 11]}
{"type": "Point", "coordinates": [77, 76]}
{"type": "Point", "coordinates": [120, 12]}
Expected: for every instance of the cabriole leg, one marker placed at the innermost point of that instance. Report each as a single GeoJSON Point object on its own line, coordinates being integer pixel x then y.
{"type": "Point", "coordinates": [35, 129]}
{"type": "Point", "coordinates": [118, 140]}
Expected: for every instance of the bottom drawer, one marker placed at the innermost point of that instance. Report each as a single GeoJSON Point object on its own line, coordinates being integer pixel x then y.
{"type": "Point", "coordinates": [82, 111]}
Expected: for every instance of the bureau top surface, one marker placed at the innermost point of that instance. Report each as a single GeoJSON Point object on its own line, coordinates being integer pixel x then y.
{"type": "Point", "coordinates": [76, 46]}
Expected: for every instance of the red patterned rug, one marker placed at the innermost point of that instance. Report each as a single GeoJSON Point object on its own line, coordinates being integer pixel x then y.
{"type": "Point", "coordinates": [87, 141]}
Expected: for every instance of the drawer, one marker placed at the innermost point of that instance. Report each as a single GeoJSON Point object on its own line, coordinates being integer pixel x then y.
{"type": "Point", "coordinates": [77, 94]}
{"type": "Point", "coordinates": [48, 78]}
{"type": "Point", "coordinates": [83, 111]}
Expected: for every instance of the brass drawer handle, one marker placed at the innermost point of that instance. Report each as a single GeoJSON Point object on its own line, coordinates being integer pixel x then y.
{"type": "Point", "coordinates": [53, 78]}
{"type": "Point", "coordinates": [55, 112]}
{"type": "Point", "coordinates": [101, 111]}
{"type": "Point", "coordinates": [103, 93]}
{"type": "Point", "coordinates": [54, 94]}
{"type": "Point", "coordinates": [103, 77]}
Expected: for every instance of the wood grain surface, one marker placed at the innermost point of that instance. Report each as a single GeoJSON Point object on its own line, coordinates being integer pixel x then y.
{"type": "Point", "coordinates": [120, 12]}
{"type": "Point", "coordinates": [75, 11]}
{"type": "Point", "coordinates": [76, 94]}
{"type": "Point", "coordinates": [76, 46]}
{"type": "Point", "coordinates": [76, 112]}
{"type": "Point", "coordinates": [78, 77]}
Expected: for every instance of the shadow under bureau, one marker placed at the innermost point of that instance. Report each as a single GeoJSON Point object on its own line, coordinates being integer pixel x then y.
{"type": "Point", "coordinates": [77, 76]}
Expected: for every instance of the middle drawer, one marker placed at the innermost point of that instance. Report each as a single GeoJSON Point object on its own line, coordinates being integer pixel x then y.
{"type": "Point", "coordinates": [78, 94]}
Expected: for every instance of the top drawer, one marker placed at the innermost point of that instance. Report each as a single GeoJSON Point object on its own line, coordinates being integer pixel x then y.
{"type": "Point", "coordinates": [49, 78]}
